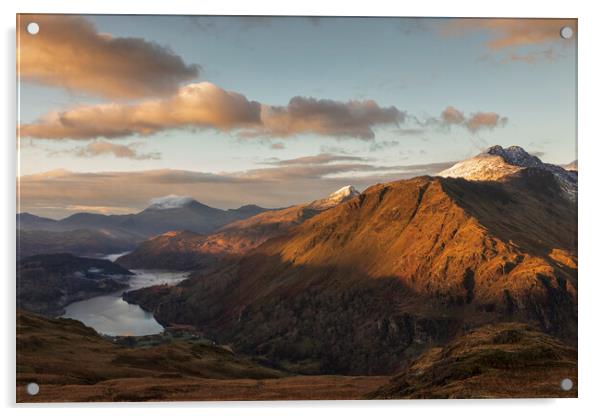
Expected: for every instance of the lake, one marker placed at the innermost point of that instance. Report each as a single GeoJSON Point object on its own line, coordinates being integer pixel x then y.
{"type": "Point", "coordinates": [111, 315]}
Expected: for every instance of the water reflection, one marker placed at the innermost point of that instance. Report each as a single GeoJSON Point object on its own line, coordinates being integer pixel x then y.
{"type": "Point", "coordinates": [111, 315]}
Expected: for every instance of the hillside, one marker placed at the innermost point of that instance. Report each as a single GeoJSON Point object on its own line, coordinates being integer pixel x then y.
{"type": "Point", "coordinates": [82, 242]}
{"type": "Point", "coordinates": [499, 361]}
{"type": "Point", "coordinates": [71, 362]}
{"type": "Point", "coordinates": [369, 284]}
{"type": "Point", "coordinates": [183, 250]}
{"type": "Point", "coordinates": [47, 283]}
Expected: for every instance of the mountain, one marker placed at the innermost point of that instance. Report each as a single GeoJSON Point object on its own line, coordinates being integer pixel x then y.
{"type": "Point", "coordinates": [47, 283]}
{"type": "Point", "coordinates": [369, 284]}
{"type": "Point", "coordinates": [165, 214]}
{"type": "Point", "coordinates": [574, 166]}
{"type": "Point", "coordinates": [82, 242]}
{"type": "Point", "coordinates": [26, 221]}
{"type": "Point", "coordinates": [184, 250]}
{"type": "Point", "coordinates": [507, 360]}
{"type": "Point", "coordinates": [88, 233]}
{"type": "Point", "coordinates": [497, 163]}
{"type": "Point", "coordinates": [334, 199]}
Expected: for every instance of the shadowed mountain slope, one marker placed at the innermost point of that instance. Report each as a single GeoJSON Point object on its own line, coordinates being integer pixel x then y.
{"type": "Point", "coordinates": [81, 242]}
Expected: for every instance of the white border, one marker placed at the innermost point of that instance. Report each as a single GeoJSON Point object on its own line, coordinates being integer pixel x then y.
{"type": "Point", "coordinates": [590, 232]}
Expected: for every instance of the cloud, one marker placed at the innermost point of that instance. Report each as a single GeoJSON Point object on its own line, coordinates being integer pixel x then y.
{"type": "Point", "coordinates": [325, 117]}
{"type": "Point", "coordinates": [69, 52]}
{"type": "Point", "coordinates": [55, 193]}
{"type": "Point", "coordinates": [320, 159]}
{"type": "Point", "coordinates": [509, 33]}
{"type": "Point", "coordinates": [548, 54]}
{"type": "Point", "coordinates": [452, 115]}
{"type": "Point", "coordinates": [277, 146]}
{"type": "Point", "coordinates": [200, 105]}
{"type": "Point", "coordinates": [385, 144]}
{"type": "Point", "coordinates": [204, 105]}
{"type": "Point", "coordinates": [476, 122]}
{"type": "Point", "coordinates": [99, 209]}
{"type": "Point", "coordinates": [102, 148]}
{"type": "Point", "coordinates": [410, 132]}
{"type": "Point", "coordinates": [479, 121]}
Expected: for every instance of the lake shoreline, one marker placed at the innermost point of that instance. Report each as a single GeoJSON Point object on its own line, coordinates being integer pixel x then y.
{"type": "Point", "coordinates": [111, 315]}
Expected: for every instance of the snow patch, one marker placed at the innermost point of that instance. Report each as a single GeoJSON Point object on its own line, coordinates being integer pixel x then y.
{"type": "Point", "coordinates": [497, 163]}
{"type": "Point", "coordinates": [170, 202]}
{"type": "Point", "coordinates": [335, 198]}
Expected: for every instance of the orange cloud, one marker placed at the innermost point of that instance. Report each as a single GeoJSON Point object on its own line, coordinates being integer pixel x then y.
{"type": "Point", "coordinates": [121, 151]}
{"type": "Point", "coordinates": [508, 33]}
{"type": "Point", "coordinates": [476, 122]}
{"type": "Point", "coordinates": [452, 115]}
{"type": "Point", "coordinates": [479, 121]}
{"type": "Point", "coordinates": [69, 52]}
{"type": "Point", "coordinates": [201, 105]}
{"type": "Point", "coordinates": [204, 105]}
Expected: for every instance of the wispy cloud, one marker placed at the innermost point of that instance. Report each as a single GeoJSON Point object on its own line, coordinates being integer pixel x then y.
{"type": "Point", "coordinates": [121, 151]}
{"type": "Point", "coordinates": [277, 146]}
{"type": "Point", "coordinates": [509, 38]}
{"type": "Point", "coordinates": [320, 159]}
{"type": "Point", "coordinates": [382, 145]}
{"type": "Point", "coordinates": [69, 52]}
{"type": "Point", "coordinates": [548, 54]}
{"type": "Point", "coordinates": [508, 33]}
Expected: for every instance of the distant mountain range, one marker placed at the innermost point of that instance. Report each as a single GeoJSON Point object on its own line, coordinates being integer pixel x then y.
{"type": "Point", "coordinates": [172, 213]}
{"type": "Point", "coordinates": [92, 234]}
{"type": "Point", "coordinates": [185, 250]}
{"type": "Point", "coordinates": [363, 286]}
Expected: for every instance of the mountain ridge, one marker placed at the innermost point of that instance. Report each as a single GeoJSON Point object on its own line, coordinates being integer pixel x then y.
{"type": "Point", "coordinates": [365, 285]}
{"type": "Point", "coordinates": [498, 163]}
{"type": "Point", "coordinates": [183, 250]}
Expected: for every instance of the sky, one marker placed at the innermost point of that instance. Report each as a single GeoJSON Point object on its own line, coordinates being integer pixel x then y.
{"type": "Point", "coordinates": [274, 111]}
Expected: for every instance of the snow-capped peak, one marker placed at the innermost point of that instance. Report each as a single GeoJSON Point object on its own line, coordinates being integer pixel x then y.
{"type": "Point", "coordinates": [496, 163]}
{"type": "Point", "coordinates": [515, 155]}
{"type": "Point", "coordinates": [344, 192]}
{"type": "Point", "coordinates": [335, 198]}
{"type": "Point", "coordinates": [170, 202]}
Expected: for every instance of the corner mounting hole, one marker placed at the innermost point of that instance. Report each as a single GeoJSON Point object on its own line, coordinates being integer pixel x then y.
{"type": "Point", "coordinates": [566, 32]}
{"type": "Point", "coordinates": [33, 389]}
{"type": "Point", "coordinates": [566, 384]}
{"type": "Point", "coordinates": [33, 28]}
